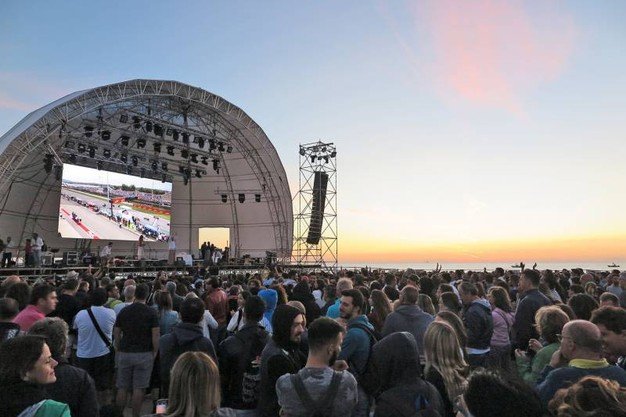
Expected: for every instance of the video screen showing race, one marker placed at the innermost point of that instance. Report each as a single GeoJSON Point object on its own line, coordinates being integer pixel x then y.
{"type": "Point", "coordinates": [108, 205]}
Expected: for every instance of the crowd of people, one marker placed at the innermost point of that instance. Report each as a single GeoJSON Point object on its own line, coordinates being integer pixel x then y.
{"type": "Point", "coordinates": [405, 343]}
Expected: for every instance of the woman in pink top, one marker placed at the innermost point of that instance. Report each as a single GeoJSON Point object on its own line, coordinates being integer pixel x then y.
{"type": "Point", "coordinates": [503, 318]}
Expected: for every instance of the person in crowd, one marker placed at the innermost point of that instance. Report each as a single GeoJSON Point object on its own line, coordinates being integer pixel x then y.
{"type": "Point", "coordinates": [7, 253]}
{"type": "Point", "coordinates": [167, 316]}
{"type": "Point", "coordinates": [67, 305]}
{"type": "Point", "coordinates": [270, 298]}
{"type": "Point", "coordinates": [611, 322]}
{"type": "Point", "coordinates": [330, 298]}
{"type": "Point", "coordinates": [381, 308]}
{"type": "Point", "coordinates": [449, 301]}
{"type": "Point", "coordinates": [622, 284]}
{"type": "Point", "coordinates": [554, 288]}
{"type": "Point", "coordinates": [426, 304]}
{"type": "Point", "coordinates": [356, 346]}
{"type": "Point", "coordinates": [238, 357]}
{"type": "Point", "coordinates": [177, 300]}
{"type": "Point", "coordinates": [591, 396]}
{"type": "Point", "coordinates": [318, 294]}
{"type": "Point", "coordinates": [318, 387]}
{"type": "Point", "coordinates": [184, 337]}
{"type": "Point", "coordinates": [343, 284]}
{"type": "Point", "coordinates": [105, 254]}
{"type": "Point", "coordinates": [216, 301]}
{"type": "Point", "coordinates": [490, 394]}
{"type": "Point", "coordinates": [140, 248]}
{"type": "Point", "coordinates": [550, 321]}
{"type": "Point", "coordinates": [391, 288]}
{"type": "Point", "coordinates": [501, 313]}
{"type": "Point", "coordinates": [43, 301]}
{"type": "Point", "coordinates": [83, 293]}
{"type": "Point", "coordinates": [302, 292]}
{"type": "Point", "coordinates": [136, 335]}
{"type": "Point", "coordinates": [237, 319]}
{"type": "Point", "coordinates": [446, 367]}
{"type": "Point", "coordinates": [73, 385]}
{"type": "Point", "coordinates": [37, 246]}
{"type": "Point", "coordinates": [7, 282]}
{"type": "Point", "coordinates": [580, 355]}
{"type": "Point", "coordinates": [608, 299]}
{"type": "Point", "coordinates": [613, 284]}
{"type": "Point", "coordinates": [583, 305]}
{"type": "Point", "coordinates": [171, 247]}
{"type": "Point", "coordinates": [93, 353]}
{"type": "Point", "coordinates": [458, 326]}
{"type": "Point", "coordinates": [478, 323]}
{"type": "Point", "coordinates": [208, 322]}
{"type": "Point", "coordinates": [282, 355]}
{"type": "Point", "coordinates": [129, 298]}
{"type": "Point", "coordinates": [26, 367]}
{"type": "Point", "coordinates": [113, 296]}
{"type": "Point", "coordinates": [20, 292]}
{"type": "Point", "coordinates": [408, 317]}
{"type": "Point", "coordinates": [524, 325]}
{"type": "Point", "coordinates": [8, 311]}
{"type": "Point", "coordinates": [403, 391]}
{"type": "Point", "coordinates": [195, 388]}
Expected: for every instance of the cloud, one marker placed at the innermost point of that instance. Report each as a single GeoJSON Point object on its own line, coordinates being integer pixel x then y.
{"type": "Point", "coordinates": [487, 52]}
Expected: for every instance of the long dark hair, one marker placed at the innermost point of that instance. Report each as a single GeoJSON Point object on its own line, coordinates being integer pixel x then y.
{"type": "Point", "coordinates": [18, 356]}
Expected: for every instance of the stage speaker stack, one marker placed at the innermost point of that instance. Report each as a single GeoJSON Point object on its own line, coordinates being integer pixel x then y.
{"type": "Point", "coordinates": [70, 258]}
{"type": "Point", "coordinates": [317, 208]}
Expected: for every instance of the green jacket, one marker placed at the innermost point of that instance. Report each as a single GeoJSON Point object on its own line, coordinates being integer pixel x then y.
{"type": "Point", "coordinates": [530, 370]}
{"type": "Point", "coordinates": [47, 408]}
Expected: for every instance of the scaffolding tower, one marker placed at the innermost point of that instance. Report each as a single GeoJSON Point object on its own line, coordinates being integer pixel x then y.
{"type": "Point", "coordinates": [316, 208]}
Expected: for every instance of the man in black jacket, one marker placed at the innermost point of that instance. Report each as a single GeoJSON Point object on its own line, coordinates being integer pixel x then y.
{"type": "Point", "coordinates": [478, 323]}
{"type": "Point", "coordinates": [523, 328]}
{"type": "Point", "coordinates": [184, 337]}
{"type": "Point", "coordinates": [240, 355]}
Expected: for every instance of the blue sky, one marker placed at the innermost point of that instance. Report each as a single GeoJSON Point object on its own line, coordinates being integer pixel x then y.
{"type": "Point", "coordinates": [460, 126]}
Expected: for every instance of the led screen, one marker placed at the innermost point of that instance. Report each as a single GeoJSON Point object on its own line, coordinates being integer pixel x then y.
{"type": "Point", "coordinates": [108, 205]}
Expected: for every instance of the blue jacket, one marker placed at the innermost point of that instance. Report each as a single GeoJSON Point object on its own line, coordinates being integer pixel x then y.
{"type": "Point", "coordinates": [333, 311]}
{"type": "Point", "coordinates": [355, 348]}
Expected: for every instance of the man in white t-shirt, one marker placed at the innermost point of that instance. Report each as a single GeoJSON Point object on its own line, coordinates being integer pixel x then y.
{"type": "Point", "coordinates": [171, 245]}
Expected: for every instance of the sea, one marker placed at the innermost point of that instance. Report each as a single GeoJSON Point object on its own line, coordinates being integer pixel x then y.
{"type": "Point", "coordinates": [490, 266]}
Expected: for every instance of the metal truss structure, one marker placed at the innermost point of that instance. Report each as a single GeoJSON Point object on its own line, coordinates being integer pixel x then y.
{"type": "Point", "coordinates": [316, 157]}
{"type": "Point", "coordinates": [164, 130]}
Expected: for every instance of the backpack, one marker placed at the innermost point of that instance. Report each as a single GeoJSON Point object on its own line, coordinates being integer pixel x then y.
{"type": "Point", "coordinates": [368, 379]}
{"type": "Point", "coordinates": [250, 371]}
{"type": "Point", "coordinates": [397, 401]}
{"type": "Point", "coordinates": [323, 407]}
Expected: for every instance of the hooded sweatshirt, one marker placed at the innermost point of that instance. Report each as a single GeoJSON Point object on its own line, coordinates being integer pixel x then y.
{"type": "Point", "coordinates": [271, 298]}
{"type": "Point", "coordinates": [302, 292]}
{"type": "Point", "coordinates": [479, 325]}
{"type": "Point", "coordinates": [408, 318]}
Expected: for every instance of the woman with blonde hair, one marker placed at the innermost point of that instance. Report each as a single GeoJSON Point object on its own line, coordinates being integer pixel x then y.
{"type": "Point", "coordinates": [195, 388]}
{"type": "Point", "coordinates": [381, 307]}
{"type": "Point", "coordinates": [446, 367]}
{"type": "Point", "coordinates": [426, 304]}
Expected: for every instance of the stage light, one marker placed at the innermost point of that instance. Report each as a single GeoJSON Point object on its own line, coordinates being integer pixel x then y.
{"type": "Point", "coordinates": [129, 170]}
{"type": "Point", "coordinates": [170, 150]}
{"type": "Point", "coordinates": [142, 172]}
{"type": "Point", "coordinates": [82, 148]}
{"type": "Point", "coordinates": [99, 165]}
{"type": "Point", "coordinates": [105, 135]}
{"type": "Point", "coordinates": [106, 153]}
{"type": "Point", "coordinates": [123, 118]}
{"type": "Point", "coordinates": [92, 152]}
{"type": "Point", "coordinates": [200, 141]}
{"type": "Point", "coordinates": [194, 158]}
{"type": "Point", "coordinates": [184, 154]}
{"type": "Point", "coordinates": [312, 158]}
{"type": "Point", "coordinates": [198, 173]}
{"type": "Point", "coordinates": [88, 131]}
{"type": "Point", "coordinates": [229, 149]}
{"type": "Point", "coordinates": [216, 165]}
{"type": "Point", "coordinates": [124, 139]}
{"type": "Point", "coordinates": [175, 135]}
{"type": "Point", "coordinates": [205, 160]}
{"type": "Point", "coordinates": [69, 144]}
{"type": "Point", "coordinates": [333, 154]}
{"type": "Point", "coordinates": [185, 137]}
{"type": "Point", "coordinates": [212, 145]}
{"type": "Point", "coordinates": [158, 129]}
{"type": "Point", "coordinates": [302, 151]}
{"type": "Point", "coordinates": [136, 122]}
{"type": "Point", "coordinates": [221, 147]}
{"type": "Point", "coordinates": [47, 163]}
{"type": "Point", "coordinates": [135, 160]}
{"type": "Point", "coordinates": [181, 169]}
{"type": "Point", "coordinates": [124, 158]}
{"type": "Point", "coordinates": [163, 178]}
{"type": "Point", "coordinates": [242, 198]}
{"type": "Point", "coordinates": [224, 198]}
{"type": "Point", "coordinates": [169, 131]}
{"type": "Point", "coordinates": [148, 126]}
{"type": "Point", "coordinates": [324, 149]}
{"type": "Point", "coordinates": [141, 143]}
{"type": "Point", "coordinates": [155, 166]}
{"type": "Point", "coordinates": [72, 159]}
{"type": "Point", "coordinates": [157, 147]}
{"type": "Point", "coordinates": [164, 166]}
{"type": "Point", "coordinates": [257, 198]}
{"type": "Point", "coordinates": [326, 158]}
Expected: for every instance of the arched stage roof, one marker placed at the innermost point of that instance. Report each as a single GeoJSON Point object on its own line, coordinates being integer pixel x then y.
{"type": "Point", "coordinates": [30, 197]}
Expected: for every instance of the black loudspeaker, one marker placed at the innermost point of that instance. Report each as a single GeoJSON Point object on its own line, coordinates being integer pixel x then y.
{"type": "Point", "coordinates": [317, 209]}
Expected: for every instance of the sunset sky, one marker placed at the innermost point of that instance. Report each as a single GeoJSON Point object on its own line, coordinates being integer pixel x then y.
{"type": "Point", "coordinates": [467, 131]}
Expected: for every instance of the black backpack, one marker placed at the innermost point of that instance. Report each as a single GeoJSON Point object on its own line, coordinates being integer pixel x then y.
{"type": "Point", "coordinates": [402, 401]}
{"type": "Point", "coordinates": [368, 378]}
{"type": "Point", "coordinates": [323, 407]}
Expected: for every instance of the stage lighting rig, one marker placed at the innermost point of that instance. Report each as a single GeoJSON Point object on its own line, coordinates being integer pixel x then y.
{"type": "Point", "coordinates": [99, 165]}
{"type": "Point", "coordinates": [69, 144]}
{"type": "Point", "coordinates": [106, 153]}
{"type": "Point", "coordinates": [72, 158]}
{"type": "Point", "coordinates": [164, 166]}
{"type": "Point", "coordinates": [175, 135]}
{"type": "Point", "coordinates": [129, 170]}
{"type": "Point", "coordinates": [194, 158]}
{"type": "Point", "coordinates": [205, 160]}
{"type": "Point", "coordinates": [124, 158]}
{"type": "Point", "coordinates": [92, 152]}
{"type": "Point", "coordinates": [158, 130]}
{"type": "Point", "coordinates": [123, 118]}
{"type": "Point", "coordinates": [185, 137]}
{"type": "Point", "coordinates": [198, 173]}
{"type": "Point", "coordinates": [155, 166]}
{"type": "Point", "coordinates": [135, 160]}
{"type": "Point", "coordinates": [141, 143]}
{"type": "Point", "coordinates": [257, 198]}
{"type": "Point", "coordinates": [184, 154]}
{"type": "Point", "coordinates": [221, 147]}
{"type": "Point", "coordinates": [142, 172]}
{"type": "Point", "coordinates": [169, 131]}
{"type": "Point", "coordinates": [148, 126]}
{"type": "Point", "coordinates": [124, 139]}
{"type": "Point", "coordinates": [229, 149]}
{"type": "Point", "coordinates": [88, 131]}
{"type": "Point", "coordinates": [216, 165]}
{"type": "Point", "coordinates": [242, 198]}
{"type": "Point", "coordinates": [200, 141]}
{"type": "Point", "coordinates": [163, 178]}
{"type": "Point", "coordinates": [170, 150]}
{"type": "Point", "coordinates": [105, 134]}
{"type": "Point", "coordinates": [157, 147]}
{"type": "Point", "coordinates": [212, 145]}
{"type": "Point", "coordinates": [136, 122]}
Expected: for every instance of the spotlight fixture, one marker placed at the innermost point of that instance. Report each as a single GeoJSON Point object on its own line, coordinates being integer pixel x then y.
{"type": "Point", "coordinates": [136, 122]}
{"type": "Point", "coordinates": [185, 137]}
{"type": "Point", "coordinates": [164, 166]}
{"type": "Point", "coordinates": [148, 126]}
{"type": "Point", "coordinates": [212, 145]}
{"type": "Point", "coordinates": [157, 147]}
{"type": "Point", "coordinates": [99, 165]}
{"type": "Point", "coordinates": [69, 144]}
{"type": "Point", "coordinates": [312, 158]}
{"type": "Point", "coordinates": [47, 163]}
{"type": "Point", "coordinates": [229, 149]}
{"type": "Point", "coordinates": [198, 173]}
{"type": "Point", "coordinates": [175, 135]}
{"type": "Point", "coordinates": [194, 158]}
{"type": "Point", "coordinates": [169, 131]}
{"type": "Point", "coordinates": [333, 154]}
{"type": "Point", "coordinates": [158, 129]}
{"type": "Point", "coordinates": [302, 151]}
{"type": "Point", "coordinates": [141, 143]}
{"type": "Point", "coordinates": [257, 198]}
{"type": "Point", "coordinates": [155, 166]}
{"type": "Point", "coordinates": [200, 141]}
{"type": "Point", "coordinates": [129, 170]}
{"type": "Point", "coordinates": [163, 178]}
{"type": "Point", "coordinates": [181, 169]}
{"type": "Point", "coordinates": [326, 159]}
{"type": "Point", "coordinates": [72, 159]}
{"type": "Point", "coordinates": [124, 158]}
{"type": "Point", "coordinates": [82, 148]}
{"type": "Point", "coordinates": [123, 118]}
{"type": "Point", "coordinates": [92, 152]}
{"type": "Point", "coordinates": [170, 150]}
{"type": "Point", "coordinates": [205, 160]}
{"type": "Point", "coordinates": [135, 160]}
{"type": "Point", "coordinates": [221, 147]}
{"type": "Point", "coordinates": [216, 165]}
{"type": "Point", "coordinates": [184, 153]}
{"type": "Point", "coordinates": [242, 198]}
{"type": "Point", "coordinates": [106, 153]}
{"type": "Point", "coordinates": [88, 131]}
{"type": "Point", "coordinates": [124, 139]}
{"type": "Point", "coordinates": [105, 135]}
{"type": "Point", "coordinates": [142, 172]}
{"type": "Point", "coordinates": [224, 198]}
